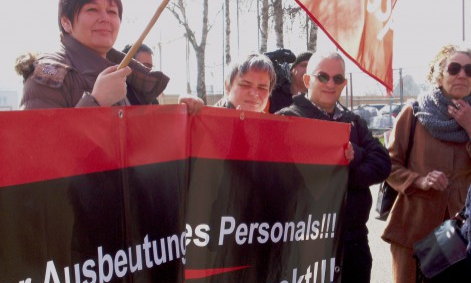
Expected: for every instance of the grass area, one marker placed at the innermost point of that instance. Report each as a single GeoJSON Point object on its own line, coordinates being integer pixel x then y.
{"type": "Point", "coordinates": [379, 136]}
{"type": "Point", "coordinates": [381, 139]}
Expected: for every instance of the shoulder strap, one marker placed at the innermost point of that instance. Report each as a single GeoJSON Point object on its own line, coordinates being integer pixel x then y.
{"type": "Point", "coordinates": [412, 131]}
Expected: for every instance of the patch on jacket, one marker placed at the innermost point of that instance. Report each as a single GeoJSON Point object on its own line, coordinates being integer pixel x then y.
{"type": "Point", "coordinates": [51, 75]}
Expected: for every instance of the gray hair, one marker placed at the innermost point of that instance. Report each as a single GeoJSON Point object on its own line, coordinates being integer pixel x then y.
{"type": "Point", "coordinates": [317, 57]}
{"type": "Point", "coordinates": [254, 61]}
{"type": "Point", "coordinates": [438, 64]}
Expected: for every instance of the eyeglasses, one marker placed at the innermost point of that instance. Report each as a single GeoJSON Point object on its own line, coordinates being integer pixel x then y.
{"type": "Point", "coordinates": [324, 78]}
{"type": "Point", "coordinates": [454, 68]}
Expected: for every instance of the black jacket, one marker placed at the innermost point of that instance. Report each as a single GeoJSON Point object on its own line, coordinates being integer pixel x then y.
{"type": "Point", "coordinates": [280, 97]}
{"type": "Point", "coordinates": [371, 164]}
{"type": "Point", "coordinates": [224, 103]}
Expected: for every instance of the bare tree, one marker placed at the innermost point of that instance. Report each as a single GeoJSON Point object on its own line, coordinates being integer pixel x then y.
{"type": "Point", "coordinates": [294, 14]}
{"type": "Point", "coordinates": [178, 9]}
{"type": "Point", "coordinates": [312, 29]}
{"type": "Point", "coordinates": [264, 26]}
{"type": "Point", "coordinates": [281, 12]}
{"type": "Point", "coordinates": [278, 22]}
{"type": "Point", "coordinates": [228, 32]}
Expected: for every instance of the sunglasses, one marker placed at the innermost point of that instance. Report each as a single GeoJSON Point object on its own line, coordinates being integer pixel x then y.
{"type": "Point", "coordinates": [324, 78]}
{"type": "Point", "coordinates": [454, 68]}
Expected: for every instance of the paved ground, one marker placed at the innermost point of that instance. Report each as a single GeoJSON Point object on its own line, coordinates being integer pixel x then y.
{"type": "Point", "coordinates": [381, 272]}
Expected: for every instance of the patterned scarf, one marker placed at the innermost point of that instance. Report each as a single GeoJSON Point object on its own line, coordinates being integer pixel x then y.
{"type": "Point", "coordinates": [338, 111]}
{"type": "Point", "coordinates": [433, 115]}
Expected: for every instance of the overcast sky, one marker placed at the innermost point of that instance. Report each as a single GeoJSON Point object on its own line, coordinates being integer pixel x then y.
{"type": "Point", "coordinates": [421, 27]}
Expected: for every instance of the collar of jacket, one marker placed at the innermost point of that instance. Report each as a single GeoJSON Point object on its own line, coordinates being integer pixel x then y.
{"type": "Point", "coordinates": [314, 112]}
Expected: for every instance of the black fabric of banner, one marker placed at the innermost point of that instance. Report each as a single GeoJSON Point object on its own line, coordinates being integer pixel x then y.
{"type": "Point", "coordinates": [150, 194]}
{"type": "Point", "coordinates": [66, 221]}
{"type": "Point", "coordinates": [264, 192]}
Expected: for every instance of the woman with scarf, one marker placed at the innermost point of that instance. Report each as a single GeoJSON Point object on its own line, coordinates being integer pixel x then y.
{"type": "Point", "coordinates": [433, 185]}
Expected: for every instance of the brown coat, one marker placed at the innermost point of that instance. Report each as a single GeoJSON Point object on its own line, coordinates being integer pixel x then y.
{"type": "Point", "coordinates": [64, 78]}
{"type": "Point", "coordinates": [417, 212]}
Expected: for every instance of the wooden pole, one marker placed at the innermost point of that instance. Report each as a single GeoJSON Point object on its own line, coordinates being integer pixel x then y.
{"type": "Point", "coordinates": [140, 40]}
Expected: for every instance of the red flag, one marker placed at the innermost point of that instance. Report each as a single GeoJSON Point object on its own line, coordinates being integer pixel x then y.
{"type": "Point", "coordinates": [361, 29]}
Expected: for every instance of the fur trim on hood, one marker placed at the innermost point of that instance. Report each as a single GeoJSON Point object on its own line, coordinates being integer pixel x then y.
{"type": "Point", "coordinates": [24, 65]}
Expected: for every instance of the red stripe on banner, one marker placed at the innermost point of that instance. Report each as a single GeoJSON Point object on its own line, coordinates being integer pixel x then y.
{"type": "Point", "coordinates": [156, 134]}
{"type": "Point", "coordinates": [40, 145]}
{"type": "Point", "coordinates": [268, 137]}
{"type": "Point", "coordinates": [204, 273]}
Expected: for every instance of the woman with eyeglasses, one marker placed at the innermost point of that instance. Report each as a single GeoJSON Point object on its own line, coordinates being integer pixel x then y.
{"type": "Point", "coordinates": [144, 55]}
{"type": "Point", "coordinates": [369, 162]}
{"type": "Point", "coordinates": [433, 185]}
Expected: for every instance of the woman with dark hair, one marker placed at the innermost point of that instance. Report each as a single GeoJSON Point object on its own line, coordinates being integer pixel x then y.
{"type": "Point", "coordinates": [433, 185]}
{"type": "Point", "coordinates": [84, 70]}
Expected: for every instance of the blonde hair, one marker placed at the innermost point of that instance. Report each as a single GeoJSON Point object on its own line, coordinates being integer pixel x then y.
{"type": "Point", "coordinates": [438, 64]}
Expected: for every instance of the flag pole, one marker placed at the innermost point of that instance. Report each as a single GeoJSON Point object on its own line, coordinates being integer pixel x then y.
{"type": "Point", "coordinates": [141, 38]}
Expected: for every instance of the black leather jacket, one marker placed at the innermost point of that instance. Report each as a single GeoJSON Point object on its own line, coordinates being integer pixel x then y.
{"type": "Point", "coordinates": [371, 164]}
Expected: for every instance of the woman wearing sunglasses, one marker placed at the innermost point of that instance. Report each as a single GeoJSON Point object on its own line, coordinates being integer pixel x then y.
{"type": "Point", "coordinates": [369, 162]}
{"type": "Point", "coordinates": [433, 185]}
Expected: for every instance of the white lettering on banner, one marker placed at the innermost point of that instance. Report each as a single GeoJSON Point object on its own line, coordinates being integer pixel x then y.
{"type": "Point", "coordinates": [317, 276]}
{"type": "Point", "coordinates": [51, 271]}
{"type": "Point", "coordinates": [108, 266]}
{"type": "Point", "coordinates": [28, 280]}
{"type": "Point", "coordinates": [226, 230]}
{"type": "Point", "coordinates": [87, 270]}
{"type": "Point", "coordinates": [261, 233]}
{"type": "Point", "coordinates": [201, 233]}
{"type": "Point", "coordinates": [374, 7]}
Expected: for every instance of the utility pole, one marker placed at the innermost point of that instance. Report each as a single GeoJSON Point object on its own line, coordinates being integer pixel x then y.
{"type": "Point", "coordinates": [463, 21]}
{"type": "Point", "coordinates": [401, 86]}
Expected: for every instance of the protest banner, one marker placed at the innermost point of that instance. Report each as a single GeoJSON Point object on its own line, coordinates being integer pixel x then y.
{"type": "Point", "coordinates": [150, 194]}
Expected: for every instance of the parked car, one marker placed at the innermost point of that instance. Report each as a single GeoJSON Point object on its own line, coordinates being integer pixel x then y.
{"type": "Point", "coordinates": [366, 111]}
{"type": "Point", "coordinates": [377, 106]}
{"type": "Point", "coordinates": [379, 123]}
{"type": "Point", "coordinates": [391, 109]}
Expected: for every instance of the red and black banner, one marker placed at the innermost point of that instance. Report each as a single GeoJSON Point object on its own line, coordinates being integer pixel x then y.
{"type": "Point", "coordinates": [150, 194]}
